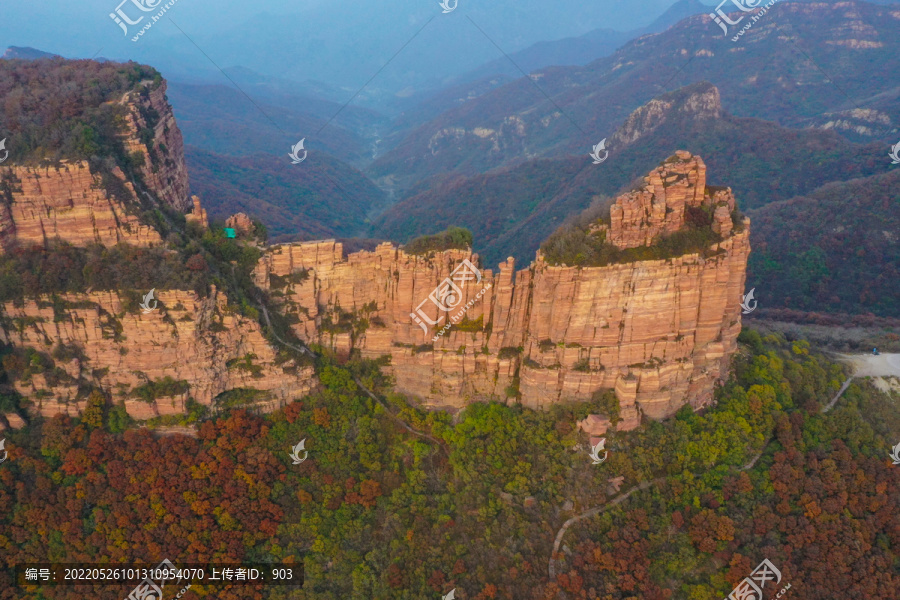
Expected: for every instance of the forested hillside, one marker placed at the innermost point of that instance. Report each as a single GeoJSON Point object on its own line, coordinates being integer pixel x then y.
{"type": "Point", "coordinates": [318, 199]}
{"type": "Point", "coordinates": [834, 250]}
{"type": "Point", "coordinates": [379, 511]}
{"type": "Point", "coordinates": [57, 109]}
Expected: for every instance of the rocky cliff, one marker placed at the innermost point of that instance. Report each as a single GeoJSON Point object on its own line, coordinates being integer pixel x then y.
{"type": "Point", "coordinates": [164, 170]}
{"type": "Point", "coordinates": [658, 332]}
{"type": "Point", "coordinates": [153, 362]}
{"type": "Point", "coordinates": [67, 202]}
{"type": "Point", "coordinates": [70, 202]}
{"type": "Point", "coordinates": [60, 347]}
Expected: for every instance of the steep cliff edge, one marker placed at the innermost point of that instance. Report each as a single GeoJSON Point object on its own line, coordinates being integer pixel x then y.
{"type": "Point", "coordinates": [151, 130]}
{"type": "Point", "coordinates": [82, 202]}
{"type": "Point", "coordinates": [97, 163]}
{"type": "Point", "coordinates": [658, 332]}
{"type": "Point", "coordinates": [189, 347]}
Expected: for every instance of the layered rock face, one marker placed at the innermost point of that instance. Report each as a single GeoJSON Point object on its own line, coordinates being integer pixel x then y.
{"type": "Point", "coordinates": [658, 208]}
{"type": "Point", "coordinates": [154, 360]}
{"type": "Point", "coordinates": [164, 170]}
{"type": "Point", "coordinates": [660, 333]}
{"type": "Point", "coordinates": [71, 203]}
{"type": "Point", "coordinates": [204, 347]}
{"type": "Point", "coordinates": [66, 202]}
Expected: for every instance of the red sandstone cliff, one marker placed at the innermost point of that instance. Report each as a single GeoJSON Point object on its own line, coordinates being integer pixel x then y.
{"type": "Point", "coordinates": [69, 202]}
{"type": "Point", "coordinates": [660, 333]}
{"type": "Point", "coordinates": [164, 170]}
{"type": "Point", "coordinates": [91, 340]}
{"type": "Point", "coordinates": [199, 341]}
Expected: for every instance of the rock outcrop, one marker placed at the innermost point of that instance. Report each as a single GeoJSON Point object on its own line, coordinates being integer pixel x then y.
{"type": "Point", "coordinates": [203, 346]}
{"type": "Point", "coordinates": [164, 170]}
{"type": "Point", "coordinates": [69, 202]}
{"type": "Point", "coordinates": [659, 206]}
{"type": "Point", "coordinates": [198, 214]}
{"type": "Point", "coordinates": [240, 222]}
{"type": "Point", "coordinates": [658, 332]}
{"type": "Point", "coordinates": [66, 202]}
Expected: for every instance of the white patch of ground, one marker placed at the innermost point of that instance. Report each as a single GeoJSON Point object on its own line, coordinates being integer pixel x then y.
{"type": "Point", "coordinates": [884, 365]}
{"type": "Point", "coordinates": [884, 370]}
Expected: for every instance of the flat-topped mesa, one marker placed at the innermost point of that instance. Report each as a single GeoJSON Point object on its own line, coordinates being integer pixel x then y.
{"type": "Point", "coordinates": [71, 202]}
{"type": "Point", "coordinates": [662, 204]}
{"type": "Point", "coordinates": [660, 333]}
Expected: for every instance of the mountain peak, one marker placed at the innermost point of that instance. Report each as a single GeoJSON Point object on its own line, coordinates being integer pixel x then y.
{"type": "Point", "coordinates": [26, 53]}
{"type": "Point", "coordinates": [662, 204]}
{"type": "Point", "coordinates": [698, 101]}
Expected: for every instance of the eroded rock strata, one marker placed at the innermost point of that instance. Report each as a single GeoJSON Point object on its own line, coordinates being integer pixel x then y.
{"type": "Point", "coordinates": [163, 170]}
{"type": "Point", "coordinates": [70, 202]}
{"type": "Point", "coordinates": [202, 345]}
{"type": "Point", "coordinates": [153, 362]}
{"type": "Point", "coordinates": [658, 332]}
{"type": "Point", "coordinates": [67, 202]}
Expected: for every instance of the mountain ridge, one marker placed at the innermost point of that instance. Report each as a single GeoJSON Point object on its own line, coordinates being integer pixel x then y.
{"type": "Point", "coordinates": [759, 77]}
{"type": "Point", "coordinates": [512, 209]}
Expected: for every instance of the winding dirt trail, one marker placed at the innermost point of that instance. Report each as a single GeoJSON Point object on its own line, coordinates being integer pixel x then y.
{"type": "Point", "coordinates": [590, 513]}
{"type": "Point", "coordinates": [551, 567]}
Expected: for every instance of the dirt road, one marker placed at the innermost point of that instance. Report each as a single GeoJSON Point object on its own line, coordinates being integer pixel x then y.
{"type": "Point", "coordinates": [885, 365]}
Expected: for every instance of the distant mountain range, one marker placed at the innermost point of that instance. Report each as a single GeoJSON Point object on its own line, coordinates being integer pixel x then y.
{"type": "Point", "coordinates": [25, 53]}
{"type": "Point", "coordinates": [823, 65]}
{"type": "Point", "coordinates": [512, 209]}
{"type": "Point", "coordinates": [582, 49]}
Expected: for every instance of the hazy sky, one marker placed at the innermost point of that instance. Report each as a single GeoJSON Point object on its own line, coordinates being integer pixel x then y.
{"type": "Point", "coordinates": [339, 42]}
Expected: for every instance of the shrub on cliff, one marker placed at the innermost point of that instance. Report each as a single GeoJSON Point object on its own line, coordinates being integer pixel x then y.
{"type": "Point", "coordinates": [27, 273]}
{"type": "Point", "coordinates": [453, 238]}
{"type": "Point", "coordinates": [576, 245]}
{"type": "Point", "coordinates": [66, 109]}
